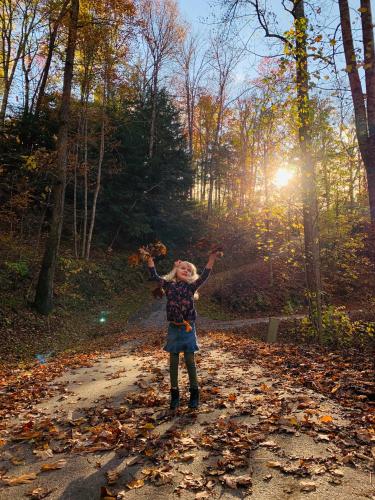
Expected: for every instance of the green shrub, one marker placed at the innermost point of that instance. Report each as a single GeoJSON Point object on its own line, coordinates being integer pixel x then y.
{"type": "Point", "coordinates": [339, 330]}
{"type": "Point", "coordinates": [20, 268]}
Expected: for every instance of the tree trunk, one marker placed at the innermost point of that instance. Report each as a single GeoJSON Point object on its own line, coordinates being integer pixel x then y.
{"type": "Point", "coordinates": [51, 48]}
{"type": "Point", "coordinates": [154, 95]}
{"type": "Point", "coordinates": [98, 180]}
{"type": "Point", "coordinates": [86, 188]}
{"type": "Point", "coordinates": [75, 207]}
{"type": "Point", "coordinates": [44, 291]}
{"type": "Point", "coordinates": [364, 108]}
{"type": "Point", "coordinates": [310, 205]}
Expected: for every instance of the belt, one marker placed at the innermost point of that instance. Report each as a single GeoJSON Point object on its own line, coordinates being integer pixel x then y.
{"type": "Point", "coordinates": [186, 323]}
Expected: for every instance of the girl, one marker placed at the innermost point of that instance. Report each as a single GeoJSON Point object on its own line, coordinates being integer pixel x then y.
{"type": "Point", "coordinates": [181, 286]}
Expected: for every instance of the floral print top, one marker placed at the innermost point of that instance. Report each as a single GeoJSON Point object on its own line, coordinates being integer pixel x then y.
{"type": "Point", "coordinates": [180, 296]}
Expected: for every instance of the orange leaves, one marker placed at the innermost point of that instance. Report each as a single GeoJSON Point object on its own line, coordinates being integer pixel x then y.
{"type": "Point", "coordinates": [134, 260]}
{"type": "Point", "coordinates": [135, 484]}
{"type": "Point", "coordinates": [157, 249]}
{"type": "Point", "coordinates": [60, 464]}
{"type": "Point", "coordinates": [16, 480]}
{"type": "Point", "coordinates": [39, 493]}
{"type": "Point", "coordinates": [326, 419]}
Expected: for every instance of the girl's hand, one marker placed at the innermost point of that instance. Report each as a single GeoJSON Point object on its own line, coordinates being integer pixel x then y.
{"type": "Point", "coordinates": [215, 254]}
{"type": "Point", "coordinates": [177, 263]}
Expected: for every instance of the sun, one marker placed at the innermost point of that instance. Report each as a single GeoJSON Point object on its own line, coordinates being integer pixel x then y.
{"type": "Point", "coordinates": [282, 177]}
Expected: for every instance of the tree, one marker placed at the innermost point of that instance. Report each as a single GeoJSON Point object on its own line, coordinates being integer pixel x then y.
{"type": "Point", "coordinates": [364, 103]}
{"type": "Point", "coordinates": [296, 46]}
{"type": "Point", "coordinates": [18, 18]}
{"type": "Point", "coordinates": [163, 34]}
{"type": "Point", "coordinates": [44, 291]}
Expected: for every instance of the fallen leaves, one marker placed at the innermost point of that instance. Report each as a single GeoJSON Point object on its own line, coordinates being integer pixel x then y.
{"type": "Point", "coordinates": [135, 484]}
{"type": "Point", "coordinates": [39, 493]}
{"type": "Point", "coordinates": [326, 419]}
{"type": "Point", "coordinates": [307, 486]}
{"type": "Point", "coordinates": [60, 464]}
{"type": "Point", "coordinates": [16, 480]}
{"type": "Point", "coordinates": [236, 481]}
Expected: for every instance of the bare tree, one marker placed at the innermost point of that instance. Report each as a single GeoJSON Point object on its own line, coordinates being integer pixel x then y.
{"type": "Point", "coordinates": [162, 34]}
{"type": "Point", "coordinates": [17, 20]}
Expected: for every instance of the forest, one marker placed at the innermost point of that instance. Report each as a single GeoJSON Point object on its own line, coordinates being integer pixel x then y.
{"type": "Point", "coordinates": [244, 125]}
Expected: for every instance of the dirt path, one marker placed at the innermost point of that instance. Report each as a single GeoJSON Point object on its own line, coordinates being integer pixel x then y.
{"type": "Point", "coordinates": [110, 427]}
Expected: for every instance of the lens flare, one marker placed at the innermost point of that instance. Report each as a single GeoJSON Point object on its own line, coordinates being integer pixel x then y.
{"type": "Point", "coordinates": [282, 177]}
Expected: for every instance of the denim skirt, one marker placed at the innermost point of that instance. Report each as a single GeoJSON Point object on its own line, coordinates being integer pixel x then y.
{"type": "Point", "coordinates": [179, 340]}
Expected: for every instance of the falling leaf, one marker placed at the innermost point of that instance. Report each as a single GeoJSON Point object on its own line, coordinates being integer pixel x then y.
{"type": "Point", "coordinates": [53, 466]}
{"type": "Point", "coordinates": [16, 480]}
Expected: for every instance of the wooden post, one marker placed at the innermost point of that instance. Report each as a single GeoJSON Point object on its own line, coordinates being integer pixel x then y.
{"type": "Point", "coordinates": [273, 327]}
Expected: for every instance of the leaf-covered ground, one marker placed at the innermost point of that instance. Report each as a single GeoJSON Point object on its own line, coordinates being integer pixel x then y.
{"type": "Point", "coordinates": [275, 422]}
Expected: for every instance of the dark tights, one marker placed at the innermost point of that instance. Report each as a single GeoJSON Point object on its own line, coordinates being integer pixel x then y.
{"type": "Point", "coordinates": [190, 365]}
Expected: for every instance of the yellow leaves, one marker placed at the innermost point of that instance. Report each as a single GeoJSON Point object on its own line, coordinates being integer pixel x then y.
{"type": "Point", "coordinates": [148, 426]}
{"type": "Point", "coordinates": [362, 10]}
{"type": "Point", "coordinates": [332, 42]}
{"type": "Point", "coordinates": [336, 388]}
{"type": "Point", "coordinates": [293, 421]}
{"type": "Point", "coordinates": [265, 388]}
{"type": "Point", "coordinates": [136, 484]}
{"type": "Point", "coordinates": [318, 38]}
{"type": "Point", "coordinates": [16, 480]}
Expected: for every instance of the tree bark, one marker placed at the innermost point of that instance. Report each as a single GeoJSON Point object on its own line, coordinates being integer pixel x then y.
{"type": "Point", "coordinates": [98, 180]}
{"type": "Point", "coordinates": [310, 205]}
{"type": "Point", "coordinates": [364, 109]}
{"type": "Point", "coordinates": [51, 49]}
{"type": "Point", "coordinates": [44, 291]}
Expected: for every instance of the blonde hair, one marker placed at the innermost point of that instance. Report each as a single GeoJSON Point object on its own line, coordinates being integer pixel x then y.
{"type": "Point", "coordinates": [171, 276]}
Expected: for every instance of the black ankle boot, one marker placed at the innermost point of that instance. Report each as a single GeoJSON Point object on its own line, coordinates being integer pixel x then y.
{"type": "Point", "coordinates": [194, 398]}
{"type": "Point", "coordinates": [175, 399]}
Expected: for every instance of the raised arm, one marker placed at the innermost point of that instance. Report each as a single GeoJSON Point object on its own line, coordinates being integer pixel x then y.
{"type": "Point", "coordinates": [206, 271]}
{"type": "Point", "coordinates": [154, 275]}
